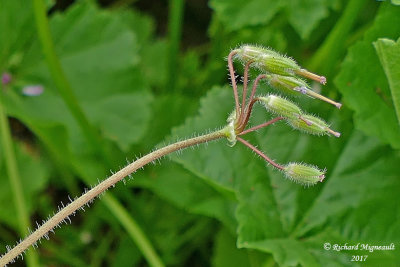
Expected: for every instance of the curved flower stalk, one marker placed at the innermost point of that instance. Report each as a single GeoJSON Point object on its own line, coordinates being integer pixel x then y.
{"type": "Point", "coordinates": [281, 73]}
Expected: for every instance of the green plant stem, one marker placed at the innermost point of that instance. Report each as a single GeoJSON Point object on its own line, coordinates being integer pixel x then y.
{"type": "Point", "coordinates": [60, 80]}
{"type": "Point", "coordinates": [333, 45]}
{"type": "Point", "coordinates": [123, 217]}
{"type": "Point", "coordinates": [174, 36]}
{"type": "Point", "coordinates": [15, 181]}
{"type": "Point", "coordinates": [92, 137]}
{"type": "Point", "coordinates": [101, 252]}
{"type": "Point", "coordinates": [134, 231]}
{"type": "Point", "coordinates": [90, 195]}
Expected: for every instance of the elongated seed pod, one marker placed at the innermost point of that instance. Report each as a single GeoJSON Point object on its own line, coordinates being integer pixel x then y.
{"type": "Point", "coordinates": [267, 60]}
{"type": "Point", "coordinates": [287, 84]}
{"type": "Point", "coordinates": [247, 53]}
{"type": "Point", "coordinates": [303, 173]}
{"type": "Point", "coordinates": [270, 61]}
{"type": "Point", "coordinates": [281, 106]}
{"type": "Point", "coordinates": [315, 125]}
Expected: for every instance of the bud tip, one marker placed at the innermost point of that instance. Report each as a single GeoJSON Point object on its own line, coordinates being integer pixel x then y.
{"type": "Point", "coordinates": [337, 134]}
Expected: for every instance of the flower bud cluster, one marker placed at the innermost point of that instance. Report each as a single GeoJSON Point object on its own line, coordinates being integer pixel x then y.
{"type": "Point", "coordinates": [281, 71]}
{"type": "Point", "coordinates": [284, 75]}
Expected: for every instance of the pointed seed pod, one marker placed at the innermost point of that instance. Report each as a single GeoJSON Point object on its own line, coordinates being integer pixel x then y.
{"type": "Point", "coordinates": [296, 86]}
{"type": "Point", "coordinates": [304, 174]}
{"type": "Point", "coordinates": [271, 61]}
{"type": "Point", "coordinates": [267, 60]}
{"type": "Point", "coordinates": [246, 53]}
{"type": "Point", "coordinates": [287, 84]}
{"type": "Point", "coordinates": [281, 106]}
{"type": "Point", "coordinates": [316, 126]}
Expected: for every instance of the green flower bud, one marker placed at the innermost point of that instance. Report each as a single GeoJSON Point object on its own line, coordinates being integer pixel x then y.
{"type": "Point", "coordinates": [311, 125]}
{"type": "Point", "coordinates": [304, 174]}
{"type": "Point", "coordinates": [281, 106]}
{"type": "Point", "coordinates": [267, 60]}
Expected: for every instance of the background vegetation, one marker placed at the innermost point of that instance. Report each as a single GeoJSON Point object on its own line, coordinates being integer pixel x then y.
{"type": "Point", "coordinates": [145, 73]}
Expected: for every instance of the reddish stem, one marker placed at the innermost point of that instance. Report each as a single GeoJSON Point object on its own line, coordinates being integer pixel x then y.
{"type": "Point", "coordinates": [233, 80]}
{"type": "Point", "coordinates": [246, 77]}
{"type": "Point", "coordinates": [270, 161]}
{"type": "Point", "coordinates": [265, 124]}
{"type": "Point", "coordinates": [246, 116]}
{"type": "Point", "coordinates": [255, 84]}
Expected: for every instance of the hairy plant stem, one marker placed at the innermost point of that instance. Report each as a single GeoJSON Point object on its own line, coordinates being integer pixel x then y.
{"type": "Point", "coordinates": [22, 213]}
{"type": "Point", "coordinates": [265, 124]}
{"type": "Point", "coordinates": [89, 196]}
{"type": "Point", "coordinates": [246, 117]}
{"type": "Point", "coordinates": [92, 137]}
{"type": "Point", "coordinates": [245, 81]}
{"type": "Point", "coordinates": [233, 80]}
{"type": "Point", "coordinates": [261, 154]}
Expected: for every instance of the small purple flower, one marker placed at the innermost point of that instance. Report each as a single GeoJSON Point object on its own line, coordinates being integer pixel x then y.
{"type": "Point", "coordinates": [32, 90]}
{"type": "Point", "coordinates": [6, 78]}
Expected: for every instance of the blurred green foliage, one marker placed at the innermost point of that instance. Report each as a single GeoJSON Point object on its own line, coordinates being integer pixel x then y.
{"type": "Point", "coordinates": [212, 205]}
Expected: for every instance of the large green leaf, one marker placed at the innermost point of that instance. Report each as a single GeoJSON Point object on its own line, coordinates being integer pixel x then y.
{"type": "Point", "coordinates": [176, 185]}
{"type": "Point", "coordinates": [103, 71]}
{"type": "Point", "coordinates": [364, 85]}
{"type": "Point", "coordinates": [225, 252]}
{"type": "Point", "coordinates": [286, 219]}
{"type": "Point", "coordinates": [237, 14]}
{"type": "Point", "coordinates": [17, 30]}
{"type": "Point", "coordinates": [389, 55]}
{"type": "Point", "coordinates": [304, 16]}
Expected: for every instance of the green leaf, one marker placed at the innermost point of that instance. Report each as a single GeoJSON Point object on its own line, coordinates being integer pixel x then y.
{"type": "Point", "coordinates": [288, 220]}
{"type": "Point", "coordinates": [116, 118]}
{"type": "Point", "coordinates": [16, 29]}
{"type": "Point", "coordinates": [102, 69]}
{"type": "Point", "coordinates": [214, 110]}
{"type": "Point", "coordinates": [176, 185]}
{"type": "Point", "coordinates": [304, 16]}
{"type": "Point", "coordinates": [227, 168]}
{"type": "Point", "coordinates": [238, 14]}
{"type": "Point", "coordinates": [364, 85]}
{"type": "Point", "coordinates": [178, 107]}
{"type": "Point", "coordinates": [286, 252]}
{"type": "Point", "coordinates": [225, 252]}
{"type": "Point", "coordinates": [395, 2]}
{"type": "Point", "coordinates": [346, 192]}
{"type": "Point", "coordinates": [389, 55]}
